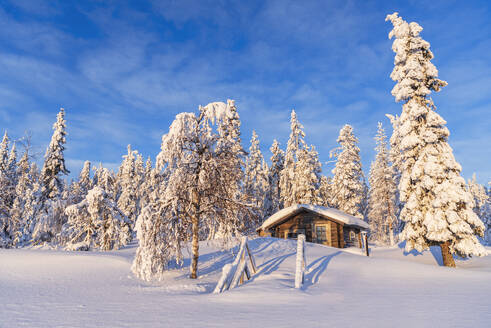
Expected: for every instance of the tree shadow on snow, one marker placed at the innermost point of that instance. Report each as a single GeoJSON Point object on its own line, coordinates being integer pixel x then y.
{"type": "Point", "coordinates": [208, 263]}
{"type": "Point", "coordinates": [316, 269]}
{"type": "Point", "coordinates": [260, 244]}
{"type": "Point", "coordinates": [435, 251]}
{"type": "Point", "coordinates": [272, 265]}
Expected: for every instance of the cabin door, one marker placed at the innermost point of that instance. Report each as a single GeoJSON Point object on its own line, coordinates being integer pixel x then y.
{"type": "Point", "coordinates": [322, 234]}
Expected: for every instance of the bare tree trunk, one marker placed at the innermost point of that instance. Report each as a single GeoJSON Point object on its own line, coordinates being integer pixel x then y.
{"type": "Point", "coordinates": [195, 248]}
{"type": "Point", "coordinates": [448, 260]}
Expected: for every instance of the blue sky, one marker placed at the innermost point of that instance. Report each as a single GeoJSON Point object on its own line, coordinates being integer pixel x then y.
{"type": "Point", "coordinates": [123, 70]}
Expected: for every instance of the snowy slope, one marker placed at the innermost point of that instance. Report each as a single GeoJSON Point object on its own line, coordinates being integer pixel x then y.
{"type": "Point", "coordinates": [46, 288]}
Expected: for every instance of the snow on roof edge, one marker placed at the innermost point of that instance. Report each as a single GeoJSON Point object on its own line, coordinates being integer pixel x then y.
{"type": "Point", "coordinates": [326, 211]}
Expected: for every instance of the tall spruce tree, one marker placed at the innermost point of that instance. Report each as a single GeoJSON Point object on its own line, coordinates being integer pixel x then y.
{"type": "Point", "coordinates": [308, 175]}
{"type": "Point", "coordinates": [80, 187]}
{"type": "Point", "coordinates": [256, 178]}
{"type": "Point", "coordinates": [274, 203]}
{"type": "Point", "coordinates": [129, 179]}
{"type": "Point", "coordinates": [288, 177]}
{"type": "Point", "coordinates": [381, 200]}
{"type": "Point", "coordinates": [7, 192]}
{"type": "Point", "coordinates": [395, 158]}
{"type": "Point", "coordinates": [51, 215]}
{"type": "Point", "coordinates": [437, 207]}
{"type": "Point", "coordinates": [54, 161]}
{"type": "Point", "coordinates": [348, 181]}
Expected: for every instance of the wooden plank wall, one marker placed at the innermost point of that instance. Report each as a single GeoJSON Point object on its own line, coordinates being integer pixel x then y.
{"type": "Point", "coordinates": [338, 234]}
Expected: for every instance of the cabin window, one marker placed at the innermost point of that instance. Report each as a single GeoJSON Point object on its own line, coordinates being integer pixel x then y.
{"type": "Point", "coordinates": [352, 235]}
{"type": "Point", "coordinates": [294, 235]}
{"type": "Point", "coordinates": [320, 233]}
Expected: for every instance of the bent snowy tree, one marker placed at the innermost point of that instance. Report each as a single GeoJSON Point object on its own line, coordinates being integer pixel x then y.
{"type": "Point", "coordinates": [437, 207]}
{"type": "Point", "coordinates": [202, 163]}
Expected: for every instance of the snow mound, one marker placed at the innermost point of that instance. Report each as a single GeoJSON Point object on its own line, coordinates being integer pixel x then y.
{"type": "Point", "coordinates": [52, 288]}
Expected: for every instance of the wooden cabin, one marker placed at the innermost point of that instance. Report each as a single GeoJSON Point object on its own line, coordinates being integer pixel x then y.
{"type": "Point", "coordinates": [322, 225]}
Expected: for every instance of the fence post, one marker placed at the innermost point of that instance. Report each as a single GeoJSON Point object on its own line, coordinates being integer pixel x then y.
{"type": "Point", "coordinates": [365, 242]}
{"type": "Point", "coordinates": [300, 263]}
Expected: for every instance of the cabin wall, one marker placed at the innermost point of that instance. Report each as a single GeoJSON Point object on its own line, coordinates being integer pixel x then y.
{"type": "Point", "coordinates": [306, 222]}
{"type": "Point", "coordinates": [352, 237]}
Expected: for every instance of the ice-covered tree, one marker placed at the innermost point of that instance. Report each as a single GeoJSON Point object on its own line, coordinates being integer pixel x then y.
{"type": "Point", "coordinates": [229, 150]}
{"type": "Point", "coordinates": [81, 187]}
{"type": "Point", "coordinates": [273, 194]}
{"type": "Point", "coordinates": [381, 200]}
{"type": "Point", "coordinates": [348, 181]}
{"type": "Point", "coordinates": [4, 152]}
{"type": "Point", "coordinates": [195, 160]}
{"type": "Point", "coordinates": [395, 159]}
{"type": "Point", "coordinates": [25, 205]}
{"type": "Point", "coordinates": [288, 178]}
{"type": "Point", "coordinates": [437, 207]}
{"type": "Point", "coordinates": [5, 193]}
{"type": "Point", "coordinates": [95, 222]}
{"type": "Point", "coordinates": [54, 161]}
{"type": "Point", "coordinates": [482, 205]}
{"type": "Point", "coordinates": [325, 191]}
{"type": "Point", "coordinates": [51, 215]}
{"type": "Point", "coordinates": [147, 185]}
{"type": "Point", "coordinates": [9, 226]}
{"type": "Point", "coordinates": [487, 216]}
{"type": "Point", "coordinates": [12, 166]}
{"type": "Point", "coordinates": [129, 179]}
{"type": "Point", "coordinates": [105, 179]}
{"type": "Point", "coordinates": [256, 178]}
{"type": "Point", "coordinates": [161, 234]}
{"type": "Point", "coordinates": [308, 177]}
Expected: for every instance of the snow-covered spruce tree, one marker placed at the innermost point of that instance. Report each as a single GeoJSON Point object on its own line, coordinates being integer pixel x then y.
{"type": "Point", "coordinates": [487, 216]}
{"type": "Point", "coordinates": [325, 191]}
{"type": "Point", "coordinates": [256, 178]}
{"type": "Point", "coordinates": [52, 207]}
{"type": "Point", "coordinates": [106, 180]}
{"type": "Point", "coordinates": [381, 200]}
{"type": "Point", "coordinates": [25, 205]}
{"type": "Point", "coordinates": [395, 158]}
{"type": "Point", "coordinates": [7, 193]}
{"type": "Point", "coordinates": [95, 222]}
{"type": "Point", "coordinates": [80, 187]}
{"type": "Point", "coordinates": [147, 185]}
{"type": "Point", "coordinates": [482, 205]}
{"type": "Point", "coordinates": [229, 150]}
{"type": "Point", "coordinates": [54, 161]}
{"type": "Point", "coordinates": [437, 207]}
{"type": "Point", "coordinates": [348, 181]}
{"type": "Point", "coordinates": [273, 194]}
{"type": "Point", "coordinates": [288, 178]}
{"type": "Point", "coordinates": [308, 175]}
{"type": "Point", "coordinates": [197, 187]}
{"type": "Point", "coordinates": [129, 179]}
{"type": "Point", "coordinates": [12, 167]}
{"type": "Point", "coordinates": [9, 226]}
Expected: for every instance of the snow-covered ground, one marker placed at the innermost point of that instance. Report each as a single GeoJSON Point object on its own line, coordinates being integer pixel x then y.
{"type": "Point", "coordinates": [49, 288]}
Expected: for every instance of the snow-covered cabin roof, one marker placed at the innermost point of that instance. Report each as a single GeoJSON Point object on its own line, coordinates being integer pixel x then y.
{"type": "Point", "coordinates": [324, 211]}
